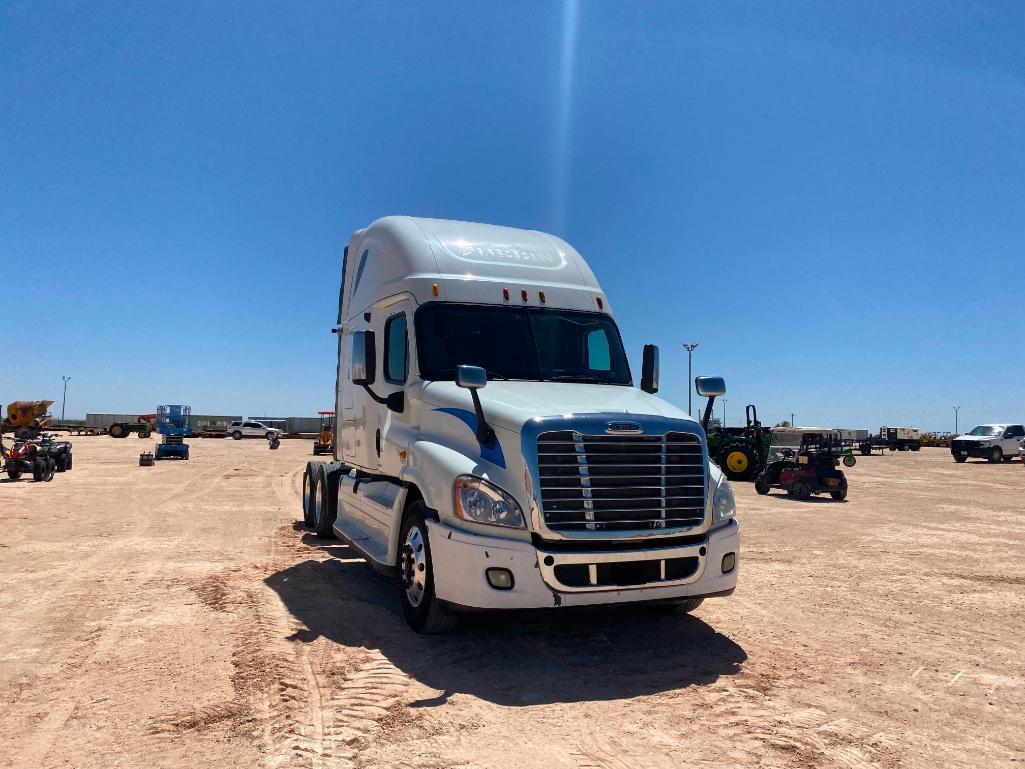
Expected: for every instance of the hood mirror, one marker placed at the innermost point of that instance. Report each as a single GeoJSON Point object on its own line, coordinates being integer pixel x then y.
{"type": "Point", "coordinates": [471, 377]}
{"type": "Point", "coordinates": [710, 386]}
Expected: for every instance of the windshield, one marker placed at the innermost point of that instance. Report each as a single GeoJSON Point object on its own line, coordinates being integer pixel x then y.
{"type": "Point", "coordinates": [520, 343]}
{"type": "Point", "coordinates": [987, 430]}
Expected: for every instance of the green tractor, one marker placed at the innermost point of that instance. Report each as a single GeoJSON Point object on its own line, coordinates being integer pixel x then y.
{"type": "Point", "coordinates": [740, 452]}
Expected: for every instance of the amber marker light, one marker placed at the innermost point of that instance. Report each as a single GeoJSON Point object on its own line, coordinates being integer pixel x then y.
{"type": "Point", "coordinates": [434, 288]}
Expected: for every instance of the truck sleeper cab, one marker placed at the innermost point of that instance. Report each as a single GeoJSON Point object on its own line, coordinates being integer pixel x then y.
{"type": "Point", "coordinates": [492, 451]}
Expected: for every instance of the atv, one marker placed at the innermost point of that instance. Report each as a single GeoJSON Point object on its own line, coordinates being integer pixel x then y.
{"type": "Point", "coordinates": [24, 456]}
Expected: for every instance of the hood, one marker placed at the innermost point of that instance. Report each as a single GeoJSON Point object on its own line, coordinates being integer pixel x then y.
{"type": "Point", "coordinates": [977, 438]}
{"type": "Point", "coordinates": [511, 404]}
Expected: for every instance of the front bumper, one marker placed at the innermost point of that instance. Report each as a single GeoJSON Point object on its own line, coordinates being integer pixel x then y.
{"type": "Point", "coordinates": [461, 559]}
{"type": "Point", "coordinates": [972, 449]}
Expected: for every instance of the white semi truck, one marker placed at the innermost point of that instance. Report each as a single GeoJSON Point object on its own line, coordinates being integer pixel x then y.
{"type": "Point", "coordinates": [492, 449]}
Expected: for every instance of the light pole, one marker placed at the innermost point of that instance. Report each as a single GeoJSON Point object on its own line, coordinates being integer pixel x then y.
{"type": "Point", "coordinates": [64, 402]}
{"type": "Point", "coordinates": [956, 409]}
{"type": "Point", "coordinates": [724, 411]}
{"type": "Point", "coordinates": [690, 351]}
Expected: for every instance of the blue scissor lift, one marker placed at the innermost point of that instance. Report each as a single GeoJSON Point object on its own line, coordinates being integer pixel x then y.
{"type": "Point", "coordinates": [175, 424]}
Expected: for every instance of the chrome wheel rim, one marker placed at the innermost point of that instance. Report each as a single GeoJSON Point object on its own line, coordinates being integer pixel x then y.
{"type": "Point", "coordinates": [316, 509]}
{"type": "Point", "coordinates": [413, 566]}
{"type": "Point", "coordinates": [306, 495]}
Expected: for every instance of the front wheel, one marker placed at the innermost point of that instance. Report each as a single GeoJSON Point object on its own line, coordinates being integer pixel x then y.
{"type": "Point", "coordinates": [840, 495]}
{"type": "Point", "coordinates": [14, 474]}
{"type": "Point", "coordinates": [959, 459]}
{"type": "Point", "coordinates": [866, 449]}
{"type": "Point", "coordinates": [996, 455]}
{"type": "Point", "coordinates": [420, 604]}
{"type": "Point", "coordinates": [849, 460]}
{"type": "Point", "coordinates": [761, 485]}
{"type": "Point", "coordinates": [800, 490]}
{"type": "Point", "coordinates": [686, 605]}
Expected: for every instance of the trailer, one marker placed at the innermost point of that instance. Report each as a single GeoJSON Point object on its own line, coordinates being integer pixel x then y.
{"type": "Point", "coordinates": [893, 439]}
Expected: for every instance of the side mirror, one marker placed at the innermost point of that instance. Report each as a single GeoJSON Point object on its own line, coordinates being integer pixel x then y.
{"type": "Point", "coordinates": [710, 386]}
{"type": "Point", "coordinates": [471, 377]}
{"type": "Point", "coordinates": [649, 369]}
{"type": "Point", "coordinates": [364, 359]}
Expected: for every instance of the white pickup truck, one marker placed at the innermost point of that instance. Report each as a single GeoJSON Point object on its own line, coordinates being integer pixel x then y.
{"type": "Point", "coordinates": [493, 451]}
{"type": "Point", "coordinates": [992, 442]}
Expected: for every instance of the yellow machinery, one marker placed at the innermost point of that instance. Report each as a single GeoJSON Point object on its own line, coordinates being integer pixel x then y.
{"type": "Point", "coordinates": [26, 419]}
{"type": "Point", "coordinates": [326, 439]}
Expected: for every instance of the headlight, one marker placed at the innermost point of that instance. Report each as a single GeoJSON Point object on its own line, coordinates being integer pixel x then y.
{"type": "Point", "coordinates": [723, 505]}
{"type": "Point", "coordinates": [482, 502]}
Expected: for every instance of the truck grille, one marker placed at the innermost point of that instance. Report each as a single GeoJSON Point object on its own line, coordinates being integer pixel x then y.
{"type": "Point", "coordinates": [620, 482]}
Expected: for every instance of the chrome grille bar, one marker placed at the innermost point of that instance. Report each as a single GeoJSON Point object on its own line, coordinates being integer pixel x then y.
{"type": "Point", "coordinates": [618, 483]}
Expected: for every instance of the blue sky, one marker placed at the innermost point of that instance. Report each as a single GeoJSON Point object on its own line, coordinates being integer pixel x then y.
{"type": "Point", "coordinates": [829, 197]}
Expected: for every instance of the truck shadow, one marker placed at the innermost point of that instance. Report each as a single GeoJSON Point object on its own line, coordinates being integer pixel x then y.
{"type": "Point", "coordinates": [521, 658]}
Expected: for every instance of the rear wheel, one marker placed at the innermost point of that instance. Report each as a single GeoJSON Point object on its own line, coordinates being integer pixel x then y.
{"type": "Point", "coordinates": [67, 464]}
{"type": "Point", "coordinates": [866, 449]}
{"type": "Point", "coordinates": [236, 435]}
{"type": "Point", "coordinates": [849, 460]}
{"type": "Point", "coordinates": [420, 604]}
{"type": "Point", "coordinates": [14, 474]}
{"type": "Point", "coordinates": [324, 503]}
{"type": "Point", "coordinates": [62, 462]}
{"type": "Point", "coordinates": [996, 454]}
{"type": "Point", "coordinates": [51, 468]}
{"type": "Point", "coordinates": [38, 470]}
{"type": "Point", "coordinates": [916, 446]}
{"type": "Point", "coordinates": [738, 461]}
{"type": "Point", "coordinates": [309, 490]}
{"type": "Point", "coordinates": [117, 431]}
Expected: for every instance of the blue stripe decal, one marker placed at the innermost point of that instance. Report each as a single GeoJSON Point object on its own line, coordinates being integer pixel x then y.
{"type": "Point", "coordinates": [493, 454]}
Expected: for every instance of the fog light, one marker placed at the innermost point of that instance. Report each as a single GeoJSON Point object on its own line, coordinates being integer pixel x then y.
{"type": "Point", "coordinates": [728, 562]}
{"type": "Point", "coordinates": [500, 579]}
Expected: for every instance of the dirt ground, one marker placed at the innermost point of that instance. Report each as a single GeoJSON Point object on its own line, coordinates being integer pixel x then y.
{"type": "Point", "coordinates": [179, 616]}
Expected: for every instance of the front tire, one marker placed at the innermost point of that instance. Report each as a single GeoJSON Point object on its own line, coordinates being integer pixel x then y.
{"type": "Point", "coordinates": [420, 605]}
{"type": "Point", "coordinates": [849, 460]}
{"type": "Point", "coordinates": [959, 459]}
{"type": "Point", "coordinates": [800, 490]}
{"type": "Point", "coordinates": [995, 455]}
{"type": "Point", "coordinates": [688, 605]}
{"type": "Point", "coordinates": [14, 474]}
{"type": "Point", "coordinates": [761, 485]}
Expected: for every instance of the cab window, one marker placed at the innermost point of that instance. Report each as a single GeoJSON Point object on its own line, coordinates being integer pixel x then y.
{"type": "Point", "coordinates": [396, 350]}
